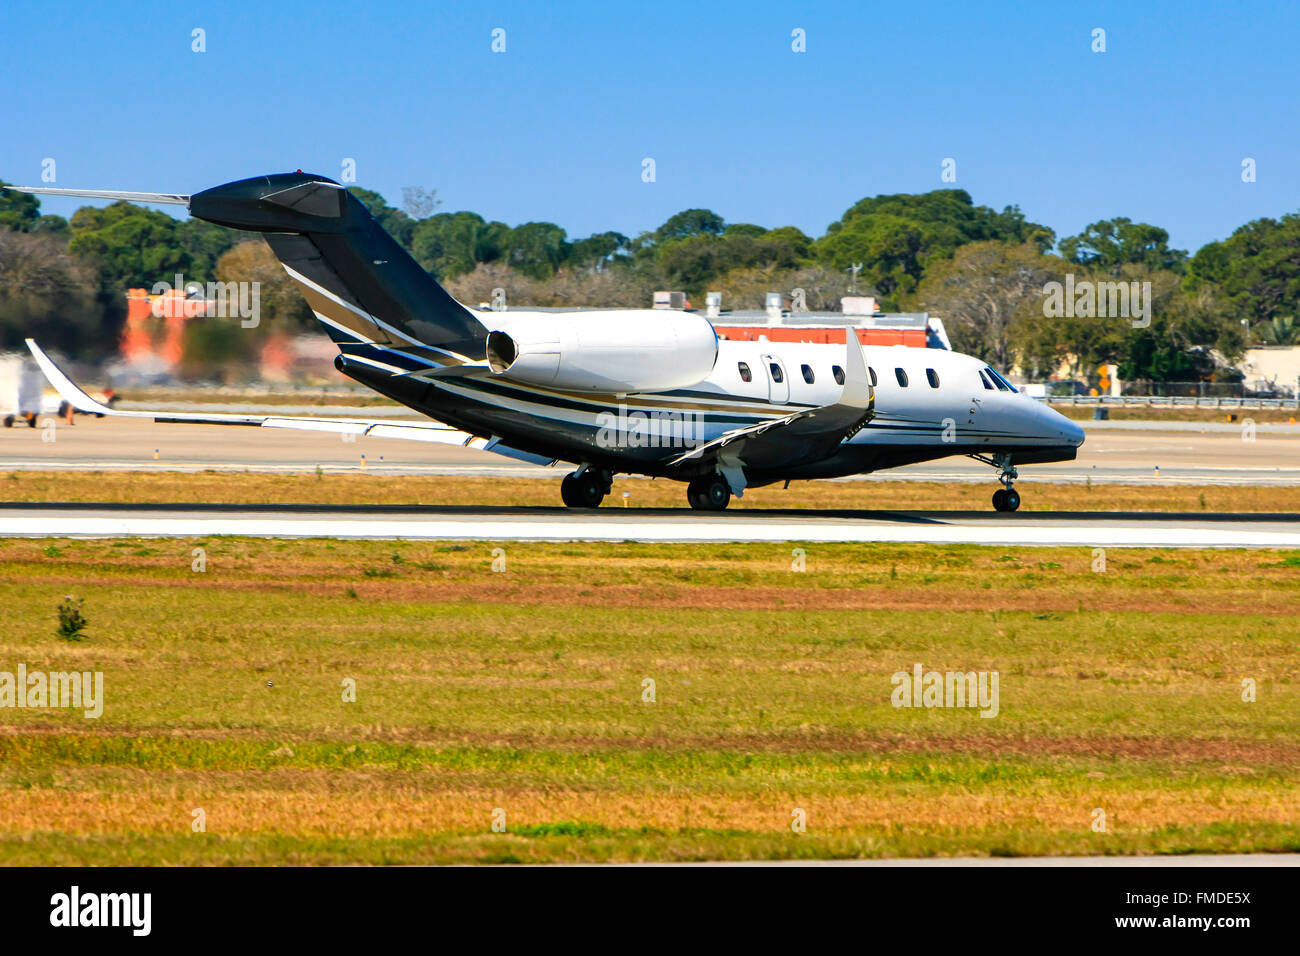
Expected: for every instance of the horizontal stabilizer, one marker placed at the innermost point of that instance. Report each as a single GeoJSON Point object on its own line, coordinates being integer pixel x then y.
{"type": "Point", "coordinates": [175, 199]}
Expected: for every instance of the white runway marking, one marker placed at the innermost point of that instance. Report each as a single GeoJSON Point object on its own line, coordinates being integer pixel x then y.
{"type": "Point", "coordinates": [1025, 530]}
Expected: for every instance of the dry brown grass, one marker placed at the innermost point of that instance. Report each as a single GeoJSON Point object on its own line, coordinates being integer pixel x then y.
{"type": "Point", "coordinates": [379, 489]}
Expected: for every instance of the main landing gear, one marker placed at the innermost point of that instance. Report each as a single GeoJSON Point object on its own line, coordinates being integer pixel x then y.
{"type": "Point", "coordinates": [1006, 498]}
{"type": "Point", "coordinates": [586, 487]}
{"type": "Point", "coordinates": [708, 493]}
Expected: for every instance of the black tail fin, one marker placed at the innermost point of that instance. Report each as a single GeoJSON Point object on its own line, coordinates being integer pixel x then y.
{"type": "Point", "coordinates": [358, 280]}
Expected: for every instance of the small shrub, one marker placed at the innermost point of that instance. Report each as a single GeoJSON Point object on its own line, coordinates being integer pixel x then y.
{"type": "Point", "coordinates": [71, 621]}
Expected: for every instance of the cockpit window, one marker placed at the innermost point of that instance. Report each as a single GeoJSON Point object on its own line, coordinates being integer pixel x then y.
{"type": "Point", "coordinates": [1002, 384]}
{"type": "Point", "coordinates": [988, 383]}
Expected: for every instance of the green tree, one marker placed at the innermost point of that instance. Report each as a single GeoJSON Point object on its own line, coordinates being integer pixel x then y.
{"type": "Point", "coordinates": [537, 249]}
{"type": "Point", "coordinates": [133, 247]}
{"type": "Point", "coordinates": [1257, 269]}
{"type": "Point", "coordinates": [452, 244]}
{"type": "Point", "coordinates": [55, 226]}
{"type": "Point", "coordinates": [596, 251]}
{"type": "Point", "coordinates": [1282, 330]}
{"type": "Point", "coordinates": [18, 211]}
{"type": "Point", "coordinates": [984, 292]}
{"type": "Point", "coordinates": [690, 222]}
{"type": "Point", "coordinates": [1112, 243]}
{"type": "Point", "coordinates": [692, 262]}
{"type": "Point", "coordinates": [953, 218]}
{"type": "Point", "coordinates": [896, 237]}
{"type": "Point", "coordinates": [893, 251]}
{"type": "Point", "coordinates": [49, 295]}
{"type": "Point", "coordinates": [1186, 331]}
{"type": "Point", "coordinates": [799, 244]}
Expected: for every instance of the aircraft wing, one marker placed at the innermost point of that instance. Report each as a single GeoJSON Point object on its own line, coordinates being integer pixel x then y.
{"type": "Point", "coordinates": [412, 431]}
{"type": "Point", "coordinates": [807, 435]}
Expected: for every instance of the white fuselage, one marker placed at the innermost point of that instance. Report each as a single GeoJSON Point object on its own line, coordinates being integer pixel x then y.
{"type": "Point", "coordinates": [970, 407]}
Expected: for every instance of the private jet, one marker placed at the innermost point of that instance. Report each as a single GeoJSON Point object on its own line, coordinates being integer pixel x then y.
{"type": "Point", "coordinates": [611, 391]}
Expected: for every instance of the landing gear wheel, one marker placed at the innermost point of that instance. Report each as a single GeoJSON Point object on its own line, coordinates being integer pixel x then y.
{"type": "Point", "coordinates": [1006, 499]}
{"type": "Point", "coordinates": [709, 493]}
{"type": "Point", "coordinates": [586, 490]}
{"type": "Point", "coordinates": [567, 494]}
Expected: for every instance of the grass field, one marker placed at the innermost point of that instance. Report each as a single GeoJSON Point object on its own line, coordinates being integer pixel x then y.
{"type": "Point", "coordinates": [378, 489]}
{"type": "Point", "coordinates": [524, 692]}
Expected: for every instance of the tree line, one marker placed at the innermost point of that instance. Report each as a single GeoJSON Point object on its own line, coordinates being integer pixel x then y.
{"type": "Point", "coordinates": [982, 270]}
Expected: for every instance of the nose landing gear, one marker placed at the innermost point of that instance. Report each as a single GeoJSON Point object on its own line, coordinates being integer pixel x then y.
{"type": "Point", "coordinates": [1005, 498]}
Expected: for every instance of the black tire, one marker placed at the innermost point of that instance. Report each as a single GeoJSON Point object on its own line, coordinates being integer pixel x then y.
{"type": "Point", "coordinates": [710, 493]}
{"type": "Point", "coordinates": [9, 421]}
{"type": "Point", "coordinates": [1000, 499]}
{"type": "Point", "coordinates": [1012, 501]}
{"type": "Point", "coordinates": [587, 490]}
{"type": "Point", "coordinates": [567, 494]}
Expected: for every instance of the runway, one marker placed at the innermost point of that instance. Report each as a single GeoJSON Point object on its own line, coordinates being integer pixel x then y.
{"type": "Point", "coordinates": [1074, 529]}
{"type": "Point", "coordinates": [1140, 454]}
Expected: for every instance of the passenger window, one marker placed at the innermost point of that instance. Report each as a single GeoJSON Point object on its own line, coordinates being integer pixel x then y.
{"type": "Point", "coordinates": [838, 374]}
{"type": "Point", "coordinates": [747, 376]}
{"type": "Point", "coordinates": [933, 377]}
{"type": "Point", "coordinates": [777, 375]}
{"type": "Point", "coordinates": [872, 372]}
{"type": "Point", "coordinates": [987, 384]}
{"type": "Point", "coordinates": [807, 373]}
{"type": "Point", "coordinates": [901, 376]}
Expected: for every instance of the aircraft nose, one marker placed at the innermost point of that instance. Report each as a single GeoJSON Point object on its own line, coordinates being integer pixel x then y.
{"type": "Point", "coordinates": [1071, 432]}
{"type": "Point", "coordinates": [1060, 428]}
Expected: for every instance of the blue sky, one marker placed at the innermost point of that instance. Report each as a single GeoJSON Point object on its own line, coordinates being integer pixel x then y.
{"type": "Point", "coordinates": [556, 127]}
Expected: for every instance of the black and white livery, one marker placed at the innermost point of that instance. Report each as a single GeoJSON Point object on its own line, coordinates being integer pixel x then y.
{"type": "Point", "coordinates": [650, 392]}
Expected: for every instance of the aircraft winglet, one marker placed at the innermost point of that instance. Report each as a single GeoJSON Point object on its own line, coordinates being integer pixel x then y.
{"type": "Point", "coordinates": [68, 390]}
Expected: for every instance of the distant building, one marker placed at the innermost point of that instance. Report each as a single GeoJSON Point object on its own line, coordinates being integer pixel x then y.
{"type": "Point", "coordinates": [777, 323]}
{"type": "Point", "coordinates": [1272, 368]}
{"type": "Point", "coordinates": [152, 341]}
{"type": "Point", "coordinates": [155, 329]}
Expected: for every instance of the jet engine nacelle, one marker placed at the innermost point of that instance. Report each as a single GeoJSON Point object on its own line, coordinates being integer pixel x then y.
{"type": "Point", "coordinates": [641, 350]}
